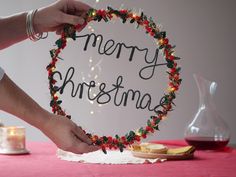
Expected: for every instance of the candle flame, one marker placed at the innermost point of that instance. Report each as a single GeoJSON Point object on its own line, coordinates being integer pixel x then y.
{"type": "Point", "coordinates": [12, 132]}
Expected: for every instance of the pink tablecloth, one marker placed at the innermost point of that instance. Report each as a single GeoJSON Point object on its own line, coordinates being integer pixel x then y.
{"type": "Point", "coordinates": [42, 162]}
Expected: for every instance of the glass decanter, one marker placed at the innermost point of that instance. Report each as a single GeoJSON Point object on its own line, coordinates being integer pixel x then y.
{"type": "Point", "coordinates": [207, 131]}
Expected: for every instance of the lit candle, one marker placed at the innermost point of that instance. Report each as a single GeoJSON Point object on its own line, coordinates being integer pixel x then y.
{"type": "Point", "coordinates": [12, 140]}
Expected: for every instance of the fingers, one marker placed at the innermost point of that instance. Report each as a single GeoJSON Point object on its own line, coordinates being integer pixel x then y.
{"type": "Point", "coordinates": [71, 19]}
{"type": "Point", "coordinates": [72, 12]}
{"type": "Point", "coordinates": [81, 135]}
{"type": "Point", "coordinates": [59, 30]}
{"type": "Point", "coordinates": [81, 147]}
{"type": "Point", "coordinates": [78, 6]}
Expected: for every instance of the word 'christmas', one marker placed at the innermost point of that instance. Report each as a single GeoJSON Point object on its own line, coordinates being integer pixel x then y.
{"type": "Point", "coordinates": [116, 92]}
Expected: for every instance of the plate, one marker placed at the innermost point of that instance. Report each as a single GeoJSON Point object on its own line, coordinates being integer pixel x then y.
{"type": "Point", "coordinates": [148, 155]}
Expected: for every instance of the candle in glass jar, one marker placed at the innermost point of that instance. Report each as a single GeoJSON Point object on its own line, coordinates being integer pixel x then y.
{"type": "Point", "coordinates": [12, 140]}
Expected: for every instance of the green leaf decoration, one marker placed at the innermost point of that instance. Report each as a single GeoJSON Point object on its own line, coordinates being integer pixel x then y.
{"type": "Point", "coordinates": [157, 35]}
{"type": "Point", "coordinates": [149, 123]}
{"type": "Point", "coordinates": [59, 43]}
{"type": "Point", "coordinates": [99, 18]}
{"type": "Point", "coordinates": [59, 102]}
{"type": "Point", "coordinates": [157, 121]}
{"type": "Point", "coordinates": [161, 47]}
{"type": "Point", "coordinates": [68, 116]}
{"type": "Point", "coordinates": [121, 147]}
{"type": "Point", "coordinates": [142, 15]}
{"type": "Point", "coordinates": [104, 151]}
{"type": "Point", "coordinates": [159, 112]}
{"type": "Point", "coordinates": [105, 139]}
{"type": "Point", "coordinates": [52, 103]}
{"type": "Point", "coordinates": [170, 64]}
{"type": "Point", "coordinates": [177, 58]}
{"type": "Point", "coordinates": [132, 20]}
{"type": "Point", "coordinates": [163, 34]}
{"type": "Point", "coordinates": [131, 133]}
{"type": "Point", "coordinates": [124, 20]}
{"type": "Point", "coordinates": [55, 88]}
{"type": "Point", "coordinates": [90, 12]}
{"type": "Point", "coordinates": [52, 53]}
{"type": "Point", "coordinates": [98, 142]}
{"type": "Point", "coordinates": [156, 127]}
{"type": "Point", "coordinates": [141, 130]}
{"type": "Point", "coordinates": [105, 19]}
{"type": "Point", "coordinates": [117, 137]}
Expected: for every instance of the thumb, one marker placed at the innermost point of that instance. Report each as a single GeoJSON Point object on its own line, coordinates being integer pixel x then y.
{"type": "Point", "coordinates": [71, 19]}
{"type": "Point", "coordinates": [81, 135]}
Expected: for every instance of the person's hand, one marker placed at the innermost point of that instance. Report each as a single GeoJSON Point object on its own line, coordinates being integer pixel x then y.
{"type": "Point", "coordinates": [67, 135]}
{"type": "Point", "coordinates": [55, 16]}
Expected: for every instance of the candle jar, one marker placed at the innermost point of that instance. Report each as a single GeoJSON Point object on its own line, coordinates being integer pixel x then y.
{"type": "Point", "coordinates": [12, 140]}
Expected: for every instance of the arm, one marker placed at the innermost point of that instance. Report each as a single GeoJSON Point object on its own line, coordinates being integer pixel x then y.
{"type": "Point", "coordinates": [8, 33]}
{"type": "Point", "coordinates": [62, 131]}
{"type": "Point", "coordinates": [47, 19]}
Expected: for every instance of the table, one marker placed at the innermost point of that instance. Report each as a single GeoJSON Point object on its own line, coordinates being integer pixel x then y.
{"type": "Point", "coordinates": [42, 162]}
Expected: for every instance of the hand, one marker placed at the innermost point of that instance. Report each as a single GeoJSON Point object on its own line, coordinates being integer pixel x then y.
{"type": "Point", "coordinates": [55, 16]}
{"type": "Point", "coordinates": [67, 135]}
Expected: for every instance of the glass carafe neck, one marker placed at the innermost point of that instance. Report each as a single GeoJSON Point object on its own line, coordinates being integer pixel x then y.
{"type": "Point", "coordinates": [206, 90]}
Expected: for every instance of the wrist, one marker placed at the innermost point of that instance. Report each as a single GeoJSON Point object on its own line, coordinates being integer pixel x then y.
{"type": "Point", "coordinates": [37, 22]}
{"type": "Point", "coordinates": [41, 119]}
{"type": "Point", "coordinates": [34, 25]}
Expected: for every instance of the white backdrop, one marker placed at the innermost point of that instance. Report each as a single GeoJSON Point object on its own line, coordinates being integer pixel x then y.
{"type": "Point", "coordinates": [204, 32]}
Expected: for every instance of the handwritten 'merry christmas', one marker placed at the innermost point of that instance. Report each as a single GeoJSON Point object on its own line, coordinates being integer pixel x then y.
{"type": "Point", "coordinates": [115, 92]}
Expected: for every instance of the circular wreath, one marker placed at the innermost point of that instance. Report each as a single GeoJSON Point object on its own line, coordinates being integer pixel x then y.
{"type": "Point", "coordinates": [163, 44]}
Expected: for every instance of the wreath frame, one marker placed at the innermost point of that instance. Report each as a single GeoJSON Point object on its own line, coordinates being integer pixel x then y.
{"type": "Point", "coordinates": [163, 44]}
